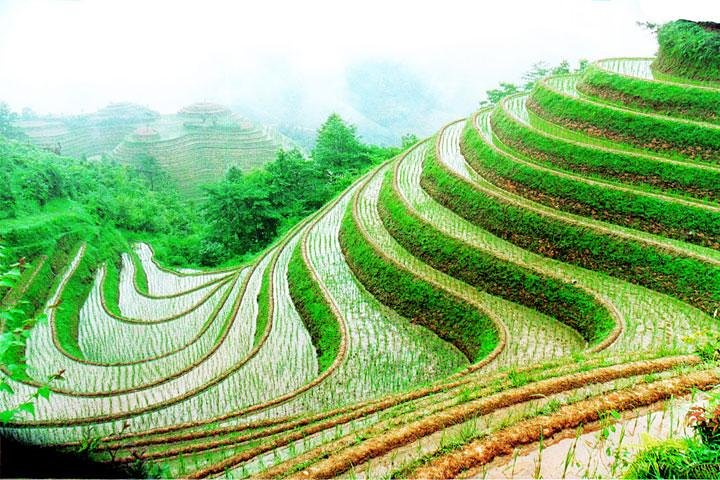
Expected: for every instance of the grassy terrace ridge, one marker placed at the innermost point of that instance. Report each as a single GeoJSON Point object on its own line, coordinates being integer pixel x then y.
{"type": "Point", "coordinates": [317, 315]}
{"type": "Point", "coordinates": [459, 179]}
{"type": "Point", "coordinates": [600, 82]}
{"type": "Point", "coordinates": [560, 300]}
{"type": "Point", "coordinates": [553, 261]}
{"type": "Point", "coordinates": [511, 124]}
{"type": "Point", "coordinates": [452, 318]}
{"type": "Point", "coordinates": [614, 254]}
{"type": "Point", "coordinates": [685, 219]}
{"type": "Point", "coordinates": [554, 99]}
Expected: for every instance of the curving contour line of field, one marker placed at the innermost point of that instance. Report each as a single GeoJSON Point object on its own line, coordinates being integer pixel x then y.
{"type": "Point", "coordinates": [518, 275]}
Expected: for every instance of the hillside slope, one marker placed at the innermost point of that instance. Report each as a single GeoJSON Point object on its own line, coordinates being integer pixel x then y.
{"type": "Point", "coordinates": [522, 273]}
{"type": "Point", "coordinates": [195, 147]}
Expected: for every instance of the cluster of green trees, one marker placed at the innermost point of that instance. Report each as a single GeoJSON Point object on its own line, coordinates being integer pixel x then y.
{"type": "Point", "coordinates": [537, 72]}
{"type": "Point", "coordinates": [36, 181]}
{"type": "Point", "coordinates": [242, 213]}
{"type": "Point", "coordinates": [7, 118]}
{"type": "Point", "coordinates": [246, 211]}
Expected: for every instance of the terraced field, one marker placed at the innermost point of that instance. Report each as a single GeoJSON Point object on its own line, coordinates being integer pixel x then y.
{"type": "Point", "coordinates": [194, 154]}
{"type": "Point", "coordinates": [195, 147]}
{"type": "Point", "coordinates": [529, 270]}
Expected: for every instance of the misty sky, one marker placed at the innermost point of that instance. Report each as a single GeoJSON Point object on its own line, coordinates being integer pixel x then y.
{"type": "Point", "coordinates": [73, 56]}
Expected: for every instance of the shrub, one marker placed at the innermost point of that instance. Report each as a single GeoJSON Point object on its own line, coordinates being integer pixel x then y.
{"type": "Point", "coordinates": [686, 458]}
{"type": "Point", "coordinates": [706, 424]}
{"type": "Point", "coordinates": [689, 49]}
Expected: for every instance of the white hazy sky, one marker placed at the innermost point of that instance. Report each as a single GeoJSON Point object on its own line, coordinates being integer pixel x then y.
{"type": "Point", "coordinates": [73, 56]}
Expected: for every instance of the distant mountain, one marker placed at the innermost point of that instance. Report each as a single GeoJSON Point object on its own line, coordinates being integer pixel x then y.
{"type": "Point", "coordinates": [393, 97]}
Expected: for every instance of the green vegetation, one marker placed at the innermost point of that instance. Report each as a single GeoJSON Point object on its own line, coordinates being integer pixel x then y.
{"type": "Point", "coordinates": [15, 326]}
{"type": "Point", "coordinates": [104, 245]}
{"type": "Point", "coordinates": [621, 206]}
{"type": "Point", "coordinates": [566, 303]}
{"type": "Point", "coordinates": [48, 195]}
{"type": "Point", "coordinates": [317, 316]}
{"type": "Point", "coordinates": [538, 71]}
{"type": "Point", "coordinates": [263, 316]}
{"type": "Point", "coordinates": [246, 212]}
{"type": "Point", "coordinates": [681, 178]}
{"type": "Point", "coordinates": [576, 300]}
{"type": "Point", "coordinates": [449, 317]}
{"type": "Point", "coordinates": [7, 118]}
{"type": "Point", "coordinates": [685, 278]}
{"type": "Point", "coordinates": [685, 458]}
{"type": "Point", "coordinates": [650, 96]}
{"type": "Point", "coordinates": [689, 49]}
{"type": "Point", "coordinates": [646, 131]}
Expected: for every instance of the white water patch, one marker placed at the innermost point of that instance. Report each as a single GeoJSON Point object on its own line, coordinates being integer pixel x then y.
{"type": "Point", "coordinates": [105, 338]}
{"type": "Point", "coordinates": [137, 306]}
{"type": "Point", "coordinates": [163, 282]}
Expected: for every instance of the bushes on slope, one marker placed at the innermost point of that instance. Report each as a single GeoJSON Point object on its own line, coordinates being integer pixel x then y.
{"type": "Point", "coordinates": [689, 49]}
{"type": "Point", "coordinates": [685, 278]}
{"type": "Point", "coordinates": [624, 166]}
{"type": "Point", "coordinates": [564, 302]}
{"type": "Point", "coordinates": [452, 319]}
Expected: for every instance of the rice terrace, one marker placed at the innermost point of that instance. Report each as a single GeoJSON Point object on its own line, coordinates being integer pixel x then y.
{"type": "Point", "coordinates": [532, 291]}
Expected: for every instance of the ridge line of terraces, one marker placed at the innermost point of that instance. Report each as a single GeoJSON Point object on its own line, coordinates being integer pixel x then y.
{"type": "Point", "coordinates": [166, 377]}
{"type": "Point", "coordinates": [424, 204]}
{"type": "Point", "coordinates": [213, 289]}
{"type": "Point", "coordinates": [614, 185]}
{"type": "Point", "coordinates": [566, 85]}
{"type": "Point", "coordinates": [672, 246]}
{"type": "Point", "coordinates": [515, 106]}
{"type": "Point", "coordinates": [106, 418]}
{"type": "Point", "coordinates": [385, 442]}
{"type": "Point", "coordinates": [606, 64]}
{"type": "Point", "coordinates": [445, 387]}
{"type": "Point", "coordinates": [654, 305]}
{"type": "Point", "coordinates": [403, 260]}
{"type": "Point", "coordinates": [226, 416]}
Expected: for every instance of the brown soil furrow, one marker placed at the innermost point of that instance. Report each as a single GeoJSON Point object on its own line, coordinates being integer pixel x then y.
{"type": "Point", "coordinates": [391, 421]}
{"type": "Point", "coordinates": [570, 416]}
{"type": "Point", "coordinates": [384, 443]}
{"type": "Point", "coordinates": [440, 392]}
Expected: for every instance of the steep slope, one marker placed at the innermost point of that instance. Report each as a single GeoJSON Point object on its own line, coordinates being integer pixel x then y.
{"type": "Point", "coordinates": [520, 274]}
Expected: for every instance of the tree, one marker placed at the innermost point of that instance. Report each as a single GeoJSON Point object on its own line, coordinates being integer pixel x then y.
{"type": "Point", "coordinates": [337, 146]}
{"type": "Point", "coordinates": [7, 118]}
{"type": "Point", "coordinates": [651, 27]}
{"type": "Point", "coordinates": [149, 169]}
{"type": "Point", "coordinates": [497, 94]}
{"type": "Point", "coordinates": [28, 114]}
{"type": "Point", "coordinates": [295, 184]}
{"type": "Point", "coordinates": [538, 71]}
{"type": "Point", "coordinates": [241, 213]}
{"type": "Point", "coordinates": [408, 140]}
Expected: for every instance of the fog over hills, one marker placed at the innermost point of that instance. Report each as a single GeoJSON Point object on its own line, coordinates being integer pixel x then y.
{"type": "Point", "coordinates": [291, 65]}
